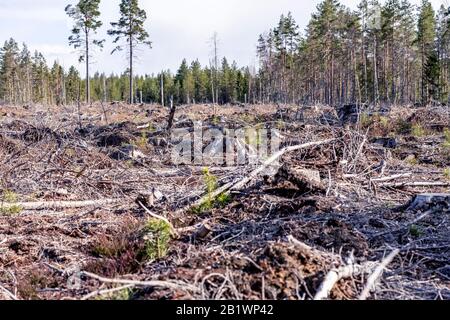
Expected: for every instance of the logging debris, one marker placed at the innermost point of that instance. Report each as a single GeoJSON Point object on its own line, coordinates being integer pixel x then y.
{"type": "Point", "coordinates": [348, 187]}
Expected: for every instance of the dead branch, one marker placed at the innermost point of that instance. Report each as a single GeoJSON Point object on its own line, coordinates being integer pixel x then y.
{"type": "Point", "coordinates": [335, 275]}
{"type": "Point", "coordinates": [106, 291]}
{"type": "Point", "coordinates": [409, 224]}
{"type": "Point", "coordinates": [371, 281]}
{"type": "Point", "coordinates": [8, 293]}
{"type": "Point", "coordinates": [57, 205]}
{"type": "Point", "coordinates": [354, 270]}
{"type": "Point", "coordinates": [154, 215]}
{"type": "Point", "coordinates": [394, 177]}
{"type": "Point", "coordinates": [415, 184]}
{"type": "Point", "coordinates": [174, 285]}
{"type": "Point", "coordinates": [241, 184]}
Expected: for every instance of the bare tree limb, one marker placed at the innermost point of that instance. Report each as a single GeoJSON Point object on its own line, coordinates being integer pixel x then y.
{"type": "Point", "coordinates": [371, 281]}
{"type": "Point", "coordinates": [155, 283]}
{"type": "Point", "coordinates": [41, 205]}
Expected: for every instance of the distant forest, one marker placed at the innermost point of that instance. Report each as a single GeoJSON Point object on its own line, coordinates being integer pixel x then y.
{"type": "Point", "coordinates": [391, 53]}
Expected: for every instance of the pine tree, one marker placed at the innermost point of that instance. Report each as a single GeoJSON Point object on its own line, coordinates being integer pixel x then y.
{"type": "Point", "coordinates": [57, 84]}
{"type": "Point", "coordinates": [25, 65]}
{"type": "Point", "coordinates": [443, 48]}
{"type": "Point", "coordinates": [72, 85]}
{"type": "Point", "coordinates": [131, 28]}
{"type": "Point", "coordinates": [9, 76]}
{"type": "Point", "coordinates": [86, 16]}
{"type": "Point", "coordinates": [426, 39]}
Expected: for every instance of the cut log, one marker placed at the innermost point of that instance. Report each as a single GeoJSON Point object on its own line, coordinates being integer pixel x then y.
{"type": "Point", "coordinates": [203, 231]}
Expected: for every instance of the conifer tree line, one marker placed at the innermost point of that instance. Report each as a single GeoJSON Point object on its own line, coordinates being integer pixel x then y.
{"type": "Point", "coordinates": [391, 53]}
{"type": "Point", "coordinates": [380, 53]}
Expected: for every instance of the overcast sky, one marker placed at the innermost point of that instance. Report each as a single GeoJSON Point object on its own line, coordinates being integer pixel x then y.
{"type": "Point", "coordinates": [178, 29]}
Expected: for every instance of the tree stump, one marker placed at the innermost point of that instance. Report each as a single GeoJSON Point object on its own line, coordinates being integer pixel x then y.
{"type": "Point", "coordinates": [304, 179]}
{"type": "Point", "coordinates": [427, 201]}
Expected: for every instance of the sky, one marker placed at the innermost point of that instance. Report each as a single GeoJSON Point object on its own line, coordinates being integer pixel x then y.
{"type": "Point", "coordinates": [178, 29]}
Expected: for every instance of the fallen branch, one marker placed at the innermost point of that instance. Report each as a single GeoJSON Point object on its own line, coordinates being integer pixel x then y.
{"type": "Point", "coordinates": [8, 293]}
{"type": "Point", "coordinates": [354, 270]}
{"type": "Point", "coordinates": [241, 184]}
{"type": "Point", "coordinates": [41, 205]}
{"type": "Point", "coordinates": [335, 275]}
{"type": "Point", "coordinates": [377, 274]}
{"type": "Point", "coordinates": [106, 291]}
{"type": "Point", "coordinates": [394, 177]}
{"type": "Point", "coordinates": [415, 184]}
{"type": "Point", "coordinates": [154, 215]}
{"type": "Point", "coordinates": [149, 284]}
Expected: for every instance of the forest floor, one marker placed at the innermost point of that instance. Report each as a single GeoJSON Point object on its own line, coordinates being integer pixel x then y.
{"type": "Point", "coordinates": [343, 204]}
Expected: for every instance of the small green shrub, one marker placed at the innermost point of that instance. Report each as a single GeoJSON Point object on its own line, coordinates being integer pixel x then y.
{"type": "Point", "coordinates": [142, 141]}
{"type": "Point", "coordinates": [365, 120]}
{"type": "Point", "coordinates": [415, 231]}
{"type": "Point", "coordinates": [384, 121]}
{"type": "Point", "coordinates": [215, 120]}
{"type": "Point", "coordinates": [211, 202]}
{"type": "Point", "coordinates": [447, 138]}
{"type": "Point", "coordinates": [418, 131]}
{"type": "Point", "coordinates": [223, 200]}
{"type": "Point", "coordinates": [412, 160]}
{"type": "Point", "coordinates": [121, 295]}
{"type": "Point", "coordinates": [157, 239]}
{"type": "Point", "coordinates": [10, 199]}
{"type": "Point", "coordinates": [403, 126]}
{"type": "Point", "coordinates": [211, 185]}
{"type": "Point", "coordinates": [447, 173]}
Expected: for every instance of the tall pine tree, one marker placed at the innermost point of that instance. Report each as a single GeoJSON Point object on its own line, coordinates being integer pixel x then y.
{"type": "Point", "coordinates": [130, 28]}
{"type": "Point", "coordinates": [86, 16]}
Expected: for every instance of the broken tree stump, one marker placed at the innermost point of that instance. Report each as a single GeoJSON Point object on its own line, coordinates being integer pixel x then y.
{"type": "Point", "coordinates": [427, 201]}
{"type": "Point", "coordinates": [305, 180]}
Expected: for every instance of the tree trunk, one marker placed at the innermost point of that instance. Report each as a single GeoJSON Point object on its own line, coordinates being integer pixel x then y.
{"type": "Point", "coordinates": [162, 89]}
{"type": "Point", "coordinates": [131, 72]}
{"type": "Point", "coordinates": [88, 81]}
